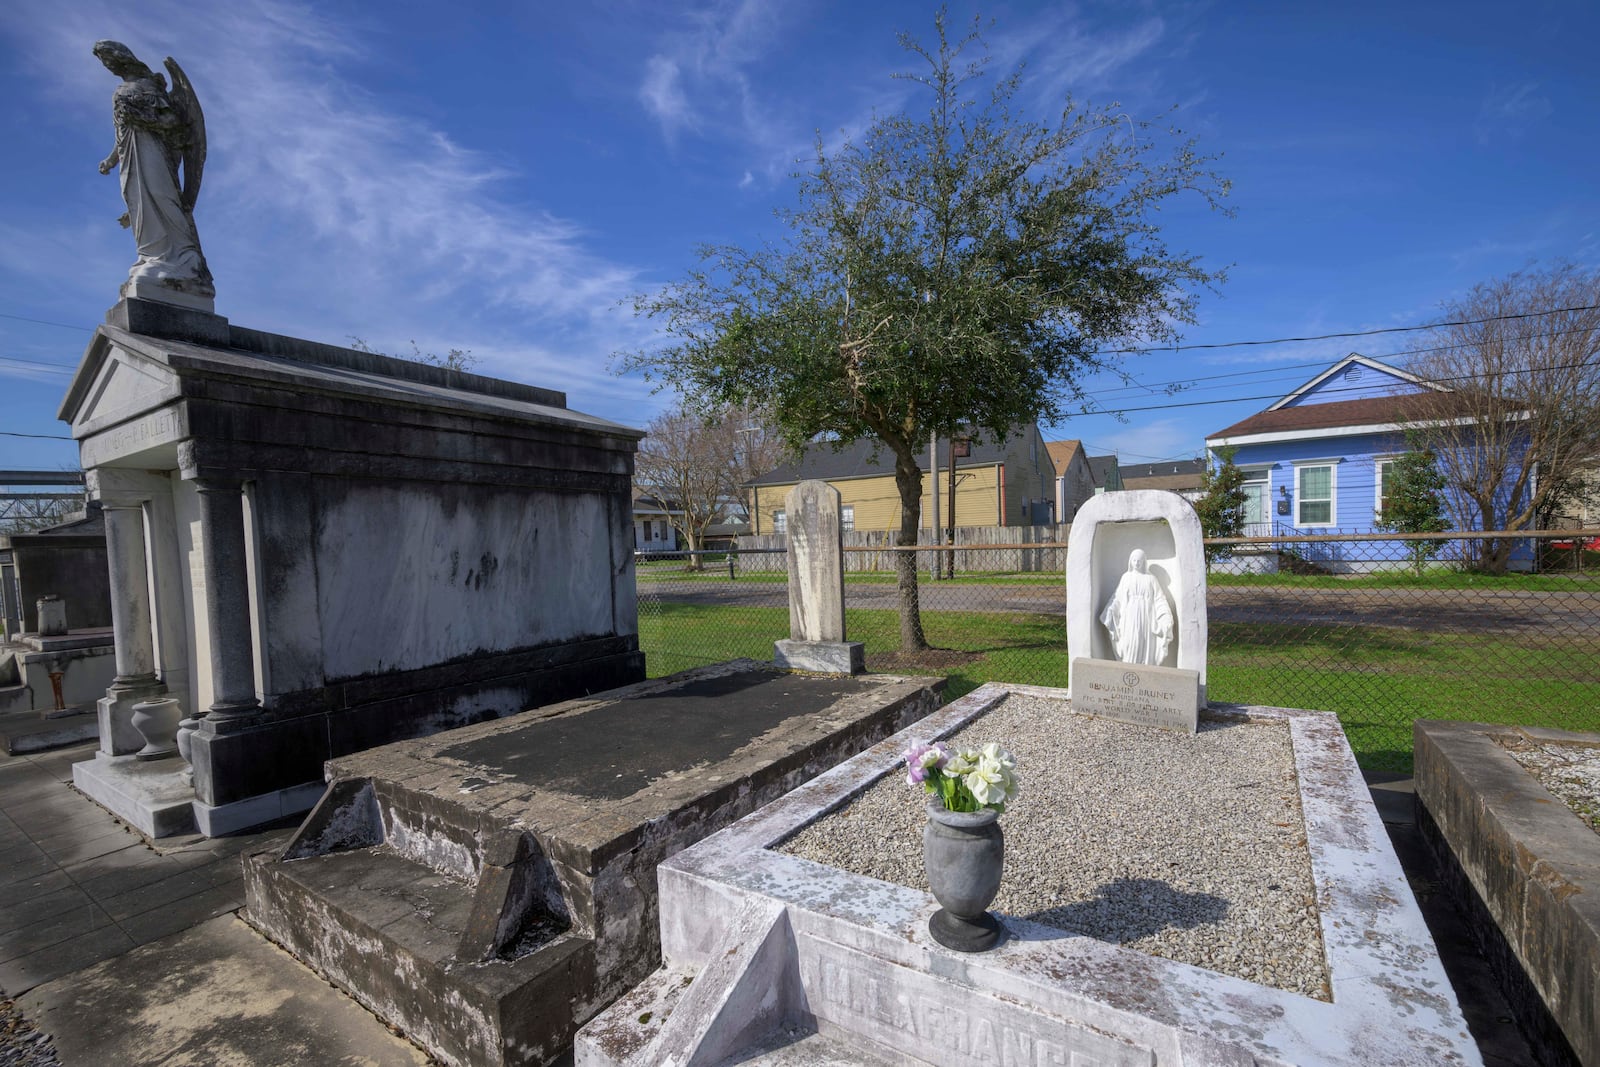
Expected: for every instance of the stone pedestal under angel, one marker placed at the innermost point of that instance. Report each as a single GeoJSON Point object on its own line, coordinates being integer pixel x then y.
{"type": "Point", "coordinates": [157, 130]}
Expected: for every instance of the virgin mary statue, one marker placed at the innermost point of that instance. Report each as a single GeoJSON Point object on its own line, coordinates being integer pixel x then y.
{"type": "Point", "coordinates": [1137, 615]}
{"type": "Point", "coordinates": [156, 131]}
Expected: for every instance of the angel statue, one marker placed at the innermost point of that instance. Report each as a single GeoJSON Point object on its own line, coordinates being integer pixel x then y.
{"type": "Point", "coordinates": [157, 130]}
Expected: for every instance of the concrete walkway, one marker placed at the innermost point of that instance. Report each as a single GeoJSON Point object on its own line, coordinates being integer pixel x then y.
{"type": "Point", "coordinates": [127, 954]}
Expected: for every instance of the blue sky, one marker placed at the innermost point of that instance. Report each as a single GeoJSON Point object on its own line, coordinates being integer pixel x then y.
{"type": "Point", "coordinates": [498, 180]}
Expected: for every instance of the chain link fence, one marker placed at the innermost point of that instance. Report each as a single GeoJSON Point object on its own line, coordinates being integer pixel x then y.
{"type": "Point", "coordinates": [1380, 629]}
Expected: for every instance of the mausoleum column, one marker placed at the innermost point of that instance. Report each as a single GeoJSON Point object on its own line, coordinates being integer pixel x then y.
{"type": "Point", "coordinates": [130, 594]}
{"type": "Point", "coordinates": [222, 552]}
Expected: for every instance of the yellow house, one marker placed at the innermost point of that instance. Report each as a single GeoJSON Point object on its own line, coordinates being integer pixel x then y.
{"type": "Point", "coordinates": [1010, 483]}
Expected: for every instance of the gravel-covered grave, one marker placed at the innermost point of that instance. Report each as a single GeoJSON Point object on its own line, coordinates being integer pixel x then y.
{"type": "Point", "coordinates": [1188, 848]}
{"type": "Point", "coordinates": [1571, 772]}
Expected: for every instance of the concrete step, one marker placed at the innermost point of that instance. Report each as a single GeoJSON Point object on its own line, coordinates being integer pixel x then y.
{"type": "Point", "coordinates": [380, 907]}
{"type": "Point", "coordinates": [15, 698]}
{"type": "Point", "coordinates": [24, 730]}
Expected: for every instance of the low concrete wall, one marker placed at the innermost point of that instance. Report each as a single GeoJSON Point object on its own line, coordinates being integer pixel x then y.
{"type": "Point", "coordinates": [1527, 869]}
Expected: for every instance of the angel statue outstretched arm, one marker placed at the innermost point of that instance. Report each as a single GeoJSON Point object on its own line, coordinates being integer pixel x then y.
{"type": "Point", "coordinates": [157, 131]}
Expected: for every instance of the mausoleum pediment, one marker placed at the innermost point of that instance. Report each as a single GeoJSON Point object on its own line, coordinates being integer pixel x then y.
{"type": "Point", "coordinates": [125, 386]}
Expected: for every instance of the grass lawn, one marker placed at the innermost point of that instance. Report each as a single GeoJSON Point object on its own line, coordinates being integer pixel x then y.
{"type": "Point", "coordinates": [1377, 679]}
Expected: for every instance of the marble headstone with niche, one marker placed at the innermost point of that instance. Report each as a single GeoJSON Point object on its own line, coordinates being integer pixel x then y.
{"type": "Point", "coordinates": [816, 585]}
{"type": "Point", "coordinates": [1136, 610]}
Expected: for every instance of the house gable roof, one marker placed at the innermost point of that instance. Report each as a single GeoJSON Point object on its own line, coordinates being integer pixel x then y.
{"type": "Point", "coordinates": [1326, 383]}
{"type": "Point", "coordinates": [1100, 469]}
{"type": "Point", "coordinates": [1062, 453]}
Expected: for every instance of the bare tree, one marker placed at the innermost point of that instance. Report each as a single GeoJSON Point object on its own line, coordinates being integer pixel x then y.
{"type": "Point", "coordinates": [1521, 416]}
{"type": "Point", "coordinates": [696, 466]}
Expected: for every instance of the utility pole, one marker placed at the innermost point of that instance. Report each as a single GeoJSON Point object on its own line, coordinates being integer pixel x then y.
{"type": "Point", "coordinates": [933, 475]}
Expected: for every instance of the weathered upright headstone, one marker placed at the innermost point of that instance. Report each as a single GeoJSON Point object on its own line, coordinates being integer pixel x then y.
{"type": "Point", "coordinates": [816, 585]}
{"type": "Point", "coordinates": [1136, 610]}
{"type": "Point", "coordinates": [52, 615]}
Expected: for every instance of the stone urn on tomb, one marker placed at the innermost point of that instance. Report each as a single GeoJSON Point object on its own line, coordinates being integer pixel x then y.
{"type": "Point", "coordinates": [963, 853]}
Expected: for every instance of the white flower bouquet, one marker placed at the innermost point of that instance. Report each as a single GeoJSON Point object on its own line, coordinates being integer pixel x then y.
{"type": "Point", "coordinates": [968, 779]}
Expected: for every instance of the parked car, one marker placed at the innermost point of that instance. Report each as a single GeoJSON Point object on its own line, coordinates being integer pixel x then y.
{"type": "Point", "coordinates": [1592, 544]}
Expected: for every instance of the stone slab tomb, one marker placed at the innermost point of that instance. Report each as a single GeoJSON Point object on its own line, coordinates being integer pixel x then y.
{"type": "Point", "coordinates": [1523, 864]}
{"type": "Point", "coordinates": [52, 671]}
{"type": "Point", "coordinates": [771, 957]}
{"type": "Point", "coordinates": [490, 889]}
{"type": "Point", "coordinates": [1136, 609]}
{"type": "Point", "coordinates": [316, 550]}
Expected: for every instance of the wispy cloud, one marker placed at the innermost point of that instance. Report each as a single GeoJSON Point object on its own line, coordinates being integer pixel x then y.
{"type": "Point", "coordinates": [327, 209]}
{"type": "Point", "coordinates": [1507, 110]}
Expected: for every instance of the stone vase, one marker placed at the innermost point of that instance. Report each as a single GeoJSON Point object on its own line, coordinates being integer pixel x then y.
{"type": "Point", "coordinates": [157, 723]}
{"type": "Point", "coordinates": [963, 853]}
{"type": "Point", "coordinates": [185, 739]}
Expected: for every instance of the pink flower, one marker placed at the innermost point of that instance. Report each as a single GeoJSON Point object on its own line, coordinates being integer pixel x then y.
{"type": "Point", "coordinates": [921, 758]}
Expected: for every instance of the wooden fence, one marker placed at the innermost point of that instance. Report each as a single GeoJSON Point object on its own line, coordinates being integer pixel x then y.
{"type": "Point", "coordinates": [990, 549]}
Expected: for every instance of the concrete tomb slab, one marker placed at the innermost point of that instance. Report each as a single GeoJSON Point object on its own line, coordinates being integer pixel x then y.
{"type": "Point", "coordinates": [849, 959]}
{"type": "Point", "coordinates": [1525, 868]}
{"type": "Point", "coordinates": [489, 889]}
{"type": "Point", "coordinates": [1136, 595]}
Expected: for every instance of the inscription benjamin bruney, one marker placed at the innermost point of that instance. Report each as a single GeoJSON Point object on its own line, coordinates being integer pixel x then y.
{"type": "Point", "coordinates": [910, 1012]}
{"type": "Point", "coordinates": [1165, 697]}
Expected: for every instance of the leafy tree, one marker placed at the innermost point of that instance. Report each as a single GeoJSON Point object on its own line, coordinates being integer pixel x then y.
{"type": "Point", "coordinates": [1221, 504]}
{"type": "Point", "coordinates": [962, 267]}
{"type": "Point", "coordinates": [1413, 502]}
{"type": "Point", "coordinates": [1519, 412]}
{"type": "Point", "coordinates": [697, 467]}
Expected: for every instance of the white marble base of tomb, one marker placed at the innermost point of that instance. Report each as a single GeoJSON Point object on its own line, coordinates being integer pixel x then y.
{"type": "Point", "coordinates": [766, 954]}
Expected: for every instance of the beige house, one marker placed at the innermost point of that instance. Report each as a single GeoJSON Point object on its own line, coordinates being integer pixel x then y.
{"type": "Point", "coordinates": [1075, 482]}
{"type": "Point", "coordinates": [1010, 483]}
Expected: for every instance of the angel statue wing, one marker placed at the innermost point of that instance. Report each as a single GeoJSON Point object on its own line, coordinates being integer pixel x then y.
{"type": "Point", "coordinates": [193, 119]}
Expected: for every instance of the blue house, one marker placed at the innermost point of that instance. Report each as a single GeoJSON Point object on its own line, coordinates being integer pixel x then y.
{"type": "Point", "coordinates": [1317, 460]}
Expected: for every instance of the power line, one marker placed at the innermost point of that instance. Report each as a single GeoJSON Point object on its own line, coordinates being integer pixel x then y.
{"type": "Point", "coordinates": [46, 322]}
{"type": "Point", "coordinates": [1183, 382]}
{"type": "Point", "coordinates": [1347, 333]}
{"type": "Point", "coordinates": [60, 368]}
{"type": "Point", "coordinates": [1336, 389]}
{"type": "Point", "coordinates": [40, 436]}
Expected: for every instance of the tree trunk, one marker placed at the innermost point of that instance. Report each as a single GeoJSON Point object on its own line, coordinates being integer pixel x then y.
{"type": "Point", "coordinates": [693, 537]}
{"type": "Point", "coordinates": [908, 480]}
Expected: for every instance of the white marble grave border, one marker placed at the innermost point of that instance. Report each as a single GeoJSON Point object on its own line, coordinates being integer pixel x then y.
{"type": "Point", "coordinates": [1392, 1002]}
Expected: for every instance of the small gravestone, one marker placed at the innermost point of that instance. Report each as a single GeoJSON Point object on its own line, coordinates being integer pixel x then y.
{"type": "Point", "coordinates": [816, 585]}
{"type": "Point", "coordinates": [1136, 610]}
{"type": "Point", "coordinates": [52, 614]}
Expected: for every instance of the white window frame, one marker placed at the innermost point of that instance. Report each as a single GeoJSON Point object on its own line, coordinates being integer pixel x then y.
{"type": "Point", "coordinates": [1260, 472]}
{"type": "Point", "coordinates": [1332, 463]}
{"type": "Point", "coordinates": [847, 516]}
{"type": "Point", "coordinates": [1378, 463]}
{"type": "Point", "coordinates": [780, 522]}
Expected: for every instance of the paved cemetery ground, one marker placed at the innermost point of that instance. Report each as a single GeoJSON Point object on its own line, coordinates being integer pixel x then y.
{"type": "Point", "coordinates": [126, 954]}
